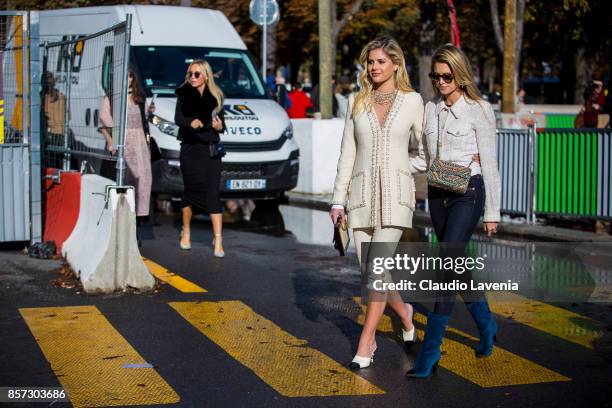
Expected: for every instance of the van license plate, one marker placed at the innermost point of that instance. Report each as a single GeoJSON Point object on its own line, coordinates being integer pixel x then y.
{"type": "Point", "coordinates": [253, 184]}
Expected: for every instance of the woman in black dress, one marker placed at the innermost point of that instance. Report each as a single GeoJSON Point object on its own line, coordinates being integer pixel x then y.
{"type": "Point", "coordinates": [199, 113]}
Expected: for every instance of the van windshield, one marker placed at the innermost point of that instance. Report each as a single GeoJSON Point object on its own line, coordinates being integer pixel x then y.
{"type": "Point", "coordinates": [162, 70]}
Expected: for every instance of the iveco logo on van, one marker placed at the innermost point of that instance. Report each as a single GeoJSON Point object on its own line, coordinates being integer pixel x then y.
{"type": "Point", "coordinates": [242, 130]}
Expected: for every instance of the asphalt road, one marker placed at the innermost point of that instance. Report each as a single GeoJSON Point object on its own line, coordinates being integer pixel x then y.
{"type": "Point", "coordinates": [280, 300]}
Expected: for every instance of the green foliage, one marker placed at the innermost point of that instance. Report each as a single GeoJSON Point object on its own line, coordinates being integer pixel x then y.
{"type": "Point", "coordinates": [553, 29]}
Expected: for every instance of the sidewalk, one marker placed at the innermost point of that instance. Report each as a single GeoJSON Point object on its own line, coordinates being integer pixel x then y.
{"type": "Point", "coordinates": [421, 218]}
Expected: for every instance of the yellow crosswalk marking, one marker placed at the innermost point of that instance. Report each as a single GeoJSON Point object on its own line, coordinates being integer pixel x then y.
{"type": "Point", "coordinates": [502, 368]}
{"type": "Point", "coordinates": [283, 361]}
{"type": "Point", "coordinates": [550, 319]}
{"type": "Point", "coordinates": [172, 279]}
{"type": "Point", "coordinates": [96, 366]}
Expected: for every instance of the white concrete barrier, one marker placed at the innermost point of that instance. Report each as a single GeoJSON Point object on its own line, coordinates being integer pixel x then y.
{"type": "Point", "coordinates": [319, 142]}
{"type": "Point", "coordinates": [102, 248]}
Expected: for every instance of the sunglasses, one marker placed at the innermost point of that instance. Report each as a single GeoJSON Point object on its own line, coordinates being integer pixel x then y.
{"type": "Point", "coordinates": [448, 78]}
{"type": "Point", "coordinates": [196, 74]}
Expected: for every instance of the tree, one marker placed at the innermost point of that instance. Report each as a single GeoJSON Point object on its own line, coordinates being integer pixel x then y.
{"type": "Point", "coordinates": [325, 58]}
{"type": "Point", "coordinates": [339, 25]}
{"type": "Point", "coordinates": [518, 35]}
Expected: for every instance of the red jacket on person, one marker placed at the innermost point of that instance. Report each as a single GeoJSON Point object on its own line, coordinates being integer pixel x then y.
{"type": "Point", "coordinates": [299, 103]}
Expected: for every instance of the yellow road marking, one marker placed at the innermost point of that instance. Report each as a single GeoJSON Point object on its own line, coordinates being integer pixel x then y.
{"type": "Point", "coordinates": [550, 319]}
{"type": "Point", "coordinates": [502, 368]}
{"type": "Point", "coordinates": [283, 361]}
{"type": "Point", "coordinates": [88, 356]}
{"type": "Point", "coordinates": [172, 279]}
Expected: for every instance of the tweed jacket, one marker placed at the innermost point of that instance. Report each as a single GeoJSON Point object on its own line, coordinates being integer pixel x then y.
{"type": "Point", "coordinates": [469, 129]}
{"type": "Point", "coordinates": [378, 162]}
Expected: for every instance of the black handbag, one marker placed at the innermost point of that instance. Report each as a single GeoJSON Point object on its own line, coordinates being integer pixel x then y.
{"type": "Point", "coordinates": [341, 237]}
{"type": "Point", "coordinates": [216, 150]}
{"type": "Point", "coordinates": [154, 149]}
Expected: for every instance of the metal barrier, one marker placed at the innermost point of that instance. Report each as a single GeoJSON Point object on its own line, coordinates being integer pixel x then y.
{"type": "Point", "coordinates": [84, 82]}
{"type": "Point", "coordinates": [573, 172]}
{"type": "Point", "coordinates": [14, 192]}
{"type": "Point", "coordinates": [563, 172]}
{"type": "Point", "coordinates": [514, 155]}
{"type": "Point", "coordinates": [20, 205]}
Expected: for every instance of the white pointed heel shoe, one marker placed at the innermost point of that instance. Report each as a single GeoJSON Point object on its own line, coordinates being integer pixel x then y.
{"type": "Point", "coordinates": [187, 246]}
{"type": "Point", "coordinates": [360, 362]}
{"type": "Point", "coordinates": [220, 254]}
{"type": "Point", "coordinates": [410, 337]}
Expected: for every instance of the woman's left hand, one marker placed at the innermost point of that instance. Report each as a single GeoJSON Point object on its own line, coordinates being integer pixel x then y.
{"type": "Point", "coordinates": [217, 124]}
{"type": "Point", "coordinates": [490, 228]}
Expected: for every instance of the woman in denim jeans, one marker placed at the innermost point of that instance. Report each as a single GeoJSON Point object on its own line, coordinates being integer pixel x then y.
{"type": "Point", "coordinates": [465, 126]}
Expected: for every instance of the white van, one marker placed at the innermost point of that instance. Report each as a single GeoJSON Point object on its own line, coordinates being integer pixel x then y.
{"type": "Point", "coordinates": [262, 158]}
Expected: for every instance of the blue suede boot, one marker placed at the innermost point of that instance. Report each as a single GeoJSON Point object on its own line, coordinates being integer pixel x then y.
{"type": "Point", "coordinates": [486, 326]}
{"type": "Point", "coordinates": [429, 354]}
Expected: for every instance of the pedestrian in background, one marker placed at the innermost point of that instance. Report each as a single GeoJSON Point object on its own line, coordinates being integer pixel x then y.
{"type": "Point", "coordinates": [54, 103]}
{"type": "Point", "coordinates": [343, 92]}
{"type": "Point", "coordinates": [459, 127]}
{"type": "Point", "coordinates": [280, 94]}
{"type": "Point", "coordinates": [199, 115]}
{"type": "Point", "coordinates": [316, 97]}
{"type": "Point", "coordinates": [300, 102]}
{"type": "Point", "coordinates": [375, 184]}
{"type": "Point", "coordinates": [137, 153]}
{"type": "Point", "coordinates": [593, 105]}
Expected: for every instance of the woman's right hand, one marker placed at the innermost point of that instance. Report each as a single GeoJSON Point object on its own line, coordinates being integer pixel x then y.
{"type": "Point", "coordinates": [110, 148]}
{"type": "Point", "coordinates": [196, 124]}
{"type": "Point", "coordinates": [337, 214]}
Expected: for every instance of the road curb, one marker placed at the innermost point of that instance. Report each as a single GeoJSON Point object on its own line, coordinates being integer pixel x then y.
{"type": "Point", "coordinates": [523, 231]}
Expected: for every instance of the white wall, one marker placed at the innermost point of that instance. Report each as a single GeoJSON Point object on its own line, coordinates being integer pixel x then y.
{"type": "Point", "coordinates": [319, 142]}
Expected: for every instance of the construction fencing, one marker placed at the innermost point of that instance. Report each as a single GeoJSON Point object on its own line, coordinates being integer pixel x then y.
{"type": "Point", "coordinates": [19, 200]}
{"type": "Point", "coordinates": [556, 172]}
{"type": "Point", "coordinates": [84, 91]}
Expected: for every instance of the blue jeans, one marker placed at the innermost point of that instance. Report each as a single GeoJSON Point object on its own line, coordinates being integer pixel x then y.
{"type": "Point", "coordinates": [454, 218]}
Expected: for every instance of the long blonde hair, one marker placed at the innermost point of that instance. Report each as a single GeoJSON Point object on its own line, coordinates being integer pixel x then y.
{"type": "Point", "coordinates": [460, 68]}
{"type": "Point", "coordinates": [363, 100]}
{"type": "Point", "coordinates": [209, 79]}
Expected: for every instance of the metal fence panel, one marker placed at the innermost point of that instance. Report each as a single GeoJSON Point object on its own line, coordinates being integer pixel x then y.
{"type": "Point", "coordinates": [573, 167]}
{"type": "Point", "coordinates": [82, 74]}
{"type": "Point", "coordinates": [14, 127]}
{"type": "Point", "coordinates": [14, 191]}
{"type": "Point", "coordinates": [604, 174]}
{"type": "Point", "coordinates": [15, 74]}
{"type": "Point", "coordinates": [513, 155]}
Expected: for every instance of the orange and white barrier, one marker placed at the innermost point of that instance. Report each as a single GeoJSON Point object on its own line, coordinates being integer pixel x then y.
{"type": "Point", "coordinates": [102, 249]}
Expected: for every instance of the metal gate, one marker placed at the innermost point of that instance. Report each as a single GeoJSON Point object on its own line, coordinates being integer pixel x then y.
{"type": "Point", "coordinates": [20, 202]}
{"type": "Point", "coordinates": [83, 89]}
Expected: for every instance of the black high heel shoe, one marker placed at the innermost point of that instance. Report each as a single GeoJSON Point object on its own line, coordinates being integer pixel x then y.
{"type": "Point", "coordinates": [414, 374]}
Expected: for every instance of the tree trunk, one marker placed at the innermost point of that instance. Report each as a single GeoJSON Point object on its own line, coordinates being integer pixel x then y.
{"type": "Point", "coordinates": [584, 72]}
{"type": "Point", "coordinates": [334, 36]}
{"type": "Point", "coordinates": [338, 25]}
{"type": "Point", "coordinates": [499, 38]}
{"type": "Point", "coordinates": [424, 60]}
{"type": "Point", "coordinates": [509, 73]}
{"type": "Point", "coordinates": [325, 57]}
{"type": "Point", "coordinates": [520, 12]}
